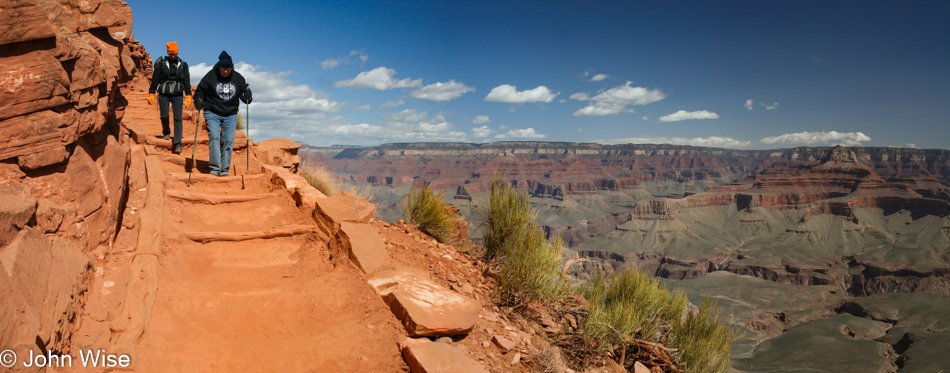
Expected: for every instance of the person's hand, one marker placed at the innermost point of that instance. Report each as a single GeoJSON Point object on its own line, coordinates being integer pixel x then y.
{"type": "Point", "coordinates": [151, 99]}
{"type": "Point", "coordinates": [187, 101]}
{"type": "Point", "coordinates": [199, 104]}
{"type": "Point", "coordinates": [247, 94]}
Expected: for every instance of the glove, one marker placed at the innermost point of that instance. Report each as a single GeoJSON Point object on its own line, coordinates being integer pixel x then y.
{"type": "Point", "coordinates": [198, 104]}
{"type": "Point", "coordinates": [151, 99]}
{"type": "Point", "coordinates": [247, 94]}
{"type": "Point", "coordinates": [187, 101]}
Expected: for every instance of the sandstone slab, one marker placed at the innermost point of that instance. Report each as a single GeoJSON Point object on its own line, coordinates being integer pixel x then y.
{"type": "Point", "coordinates": [424, 356]}
{"type": "Point", "coordinates": [279, 152]}
{"type": "Point", "coordinates": [363, 244]}
{"type": "Point", "coordinates": [20, 321]}
{"type": "Point", "coordinates": [17, 206]}
{"type": "Point", "coordinates": [304, 194]}
{"type": "Point", "coordinates": [64, 301]}
{"type": "Point", "coordinates": [28, 260]}
{"type": "Point", "coordinates": [332, 211]}
{"type": "Point", "coordinates": [23, 20]}
{"type": "Point", "coordinates": [425, 307]}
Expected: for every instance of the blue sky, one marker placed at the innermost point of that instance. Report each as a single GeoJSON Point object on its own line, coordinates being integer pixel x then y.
{"type": "Point", "coordinates": [735, 74]}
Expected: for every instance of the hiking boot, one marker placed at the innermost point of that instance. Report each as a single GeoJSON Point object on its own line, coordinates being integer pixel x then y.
{"type": "Point", "coordinates": [177, 149]}
{"type": "Point", "coordinates": [166, 137]}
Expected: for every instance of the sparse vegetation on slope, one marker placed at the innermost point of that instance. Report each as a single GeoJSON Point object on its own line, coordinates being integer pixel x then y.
{"type": "Point", "coordinates": [631, 307]}
{"type": "Point", "coordinates": [528, 263]}
{"type": "Point", "coordinates": [427, 210]}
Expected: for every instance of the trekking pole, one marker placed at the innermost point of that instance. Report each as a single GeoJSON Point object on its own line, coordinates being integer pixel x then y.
{"type": "Point", "coordinates": [194, 145]}
{"type": "Point", "coordinates": [247, 124]}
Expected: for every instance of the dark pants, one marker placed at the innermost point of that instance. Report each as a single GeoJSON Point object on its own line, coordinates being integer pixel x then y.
{"type": "Point", "coordinates": [176, 102]}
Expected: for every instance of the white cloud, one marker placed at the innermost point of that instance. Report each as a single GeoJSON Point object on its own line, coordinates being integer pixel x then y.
{"type": "Point", "coordinates": [773, 106]}
{"type": "Point", "coordinates": [353, 57]}
{"type": "Point", "coordinates": [579, 130]}
{"type": "Point", "coordinates": [749, 104]}
{"type": "Point", "coordinates": [380, 78]}
{"type": "Point", "coordinates": [528, 133]}
{"type": "Point", "coordinates": [481, 132]}
{"type": "Point", "coordinates": [393, 103]}
{"type": "Point", "coordinates": [616, 100]}
{"type": "Point", "coordinates": [712, 141]}
{"type": "Point", "coordinates": [599, 77]}
{"type": "Point", "coordinates": [388, 104]}
{"type": "Point", "coordinates": [509, 93]}
{"type": "Point", "coordinates": [481, 119]}
{"type": "Point", "coordinates": [910, 145]}
{"type": "Point", "coordinates": [279, 104]}
{"type": "Point", "coordinates": [646, 117]}
{"type": "Point", "coordinates": [687, 115]}
{"type": "Point", "coordinates": [441, 91]}
{"type": "Point", "coordinates": [830, 138]}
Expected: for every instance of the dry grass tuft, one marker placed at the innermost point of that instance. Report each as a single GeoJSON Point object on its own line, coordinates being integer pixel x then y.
{"type": "Point", "coordinates": [321, 178]}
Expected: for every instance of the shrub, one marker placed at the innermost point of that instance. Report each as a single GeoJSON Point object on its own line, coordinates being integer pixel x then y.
{"type": "Point", "coordinates": [632, 306]}
{"type": "Point", "coordinates": [321, 178]}
{"type": "Point", "coordinates": [705, 343]}
{"type": "Point", "coordinates": [507, 214]}
{"type": "Point", "coordinates": [425, 209]}
{"type": "Point", "coordinates": [528, 263]}
{"type": "Point", "coordinates": [530, 268]}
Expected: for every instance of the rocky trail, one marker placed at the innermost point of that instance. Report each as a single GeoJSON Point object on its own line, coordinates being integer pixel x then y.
{"type": "Point", "coordinates": [260, 272]}
{"type": "Point", "coordinates": [240, 279]}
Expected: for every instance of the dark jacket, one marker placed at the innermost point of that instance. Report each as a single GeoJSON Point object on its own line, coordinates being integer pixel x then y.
{"type": "Point", "coordinates": [220, 95]}
{"type": "Point", "coordinates": [166, 71]}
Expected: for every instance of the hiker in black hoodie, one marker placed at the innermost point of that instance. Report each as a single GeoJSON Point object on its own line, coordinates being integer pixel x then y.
{"type": "Point", "coordinates": [170, 78]}
{"type": "Point", "coordinates": [218, 94]}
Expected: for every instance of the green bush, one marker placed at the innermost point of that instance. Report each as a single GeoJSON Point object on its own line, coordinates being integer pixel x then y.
{"type": "Point", "coordinates": [425, 209]}
{"type": "Point", "coordinates": [530, 268]}
{"type": "Point", "coordinates": [704, 342]}
{"type": "Point", "coordinates": [507, 214]}
{"type": "Point", "coordinates": [321, 178]}
{"type": "Point", "coordinates": [529, 265]}
{"type": "Point", "coordinates": [633, 306]}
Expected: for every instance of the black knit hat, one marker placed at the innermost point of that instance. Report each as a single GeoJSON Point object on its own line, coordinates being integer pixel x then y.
{"type": "Point", "coordinates": [224, 60]}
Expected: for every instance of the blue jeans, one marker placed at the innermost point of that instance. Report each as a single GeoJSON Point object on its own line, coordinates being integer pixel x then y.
{"type": "Point", "coordinates": [220, 141]}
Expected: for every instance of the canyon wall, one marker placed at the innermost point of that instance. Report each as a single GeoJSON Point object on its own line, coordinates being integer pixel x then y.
{"type": "Point", "coordinates": [64, 66]}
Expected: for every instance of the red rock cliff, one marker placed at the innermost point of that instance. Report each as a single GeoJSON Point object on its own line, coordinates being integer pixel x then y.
{"type": "Point", "coordinates": [63, 165]}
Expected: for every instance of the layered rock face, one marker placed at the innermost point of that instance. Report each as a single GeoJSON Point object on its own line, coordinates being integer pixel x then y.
{"type": "Point", "coordinates": [63, 166]}
{"type": "Point", "coordinates": [796, 216]}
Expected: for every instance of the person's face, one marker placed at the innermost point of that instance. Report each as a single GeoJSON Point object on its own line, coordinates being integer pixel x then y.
{"type": "Point", "coordinates": [225, 71]}
{"type": "Point", "coordinates": [173, 56]}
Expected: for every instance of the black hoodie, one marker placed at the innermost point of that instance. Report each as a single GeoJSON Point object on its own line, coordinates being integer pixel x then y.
{"type": "Point", "coordinates": [219, 94]}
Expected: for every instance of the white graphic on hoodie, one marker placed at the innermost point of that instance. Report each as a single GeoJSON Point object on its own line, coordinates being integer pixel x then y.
{"type": "Point", "coordinates": [225, 90]}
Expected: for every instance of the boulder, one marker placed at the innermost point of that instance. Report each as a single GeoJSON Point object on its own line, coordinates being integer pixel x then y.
{"type": "Point", "coordinates": [424, 356]}
{"type": "Point", "coordinates": [279, 152]}
{"type": "Point", "coordinates": [332, 211]}
{"type": "Point", "coordinates": [363, 244]}
{"type": "Point", "coordinates": [17, 207]}
{"type": "Point", "coordinates": [425, 307]}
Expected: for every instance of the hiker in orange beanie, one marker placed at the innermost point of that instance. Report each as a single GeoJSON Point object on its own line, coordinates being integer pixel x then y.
{"type": "Point", "coordinates": [171, 78]}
